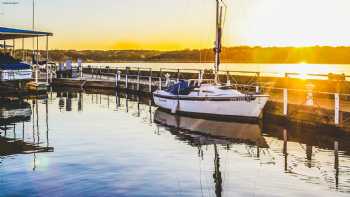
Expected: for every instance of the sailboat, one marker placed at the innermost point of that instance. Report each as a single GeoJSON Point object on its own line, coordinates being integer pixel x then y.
{"type": "Point", "coordinates": [207, 97]}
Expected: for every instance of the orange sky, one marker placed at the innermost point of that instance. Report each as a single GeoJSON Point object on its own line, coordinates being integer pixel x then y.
{"type": "Point", "coordinates": [179, 24]}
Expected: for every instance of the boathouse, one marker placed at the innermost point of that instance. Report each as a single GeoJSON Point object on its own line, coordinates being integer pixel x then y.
{"type": "Point", "coordinates": [13, 68]}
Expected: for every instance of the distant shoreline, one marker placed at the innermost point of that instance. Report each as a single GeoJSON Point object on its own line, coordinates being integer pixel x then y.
{"type": "Point", "coordinates": [241, 55]}
{"type": "Point", "coordinates": [196, 62]}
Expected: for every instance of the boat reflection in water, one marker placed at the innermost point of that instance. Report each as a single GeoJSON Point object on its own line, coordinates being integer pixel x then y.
{"type": "Point", "coordinates": [14, 114]}
{"type": "Point", "coordinates": [199, 132]}
{"type": "Point", "coordinates": [212, 131]}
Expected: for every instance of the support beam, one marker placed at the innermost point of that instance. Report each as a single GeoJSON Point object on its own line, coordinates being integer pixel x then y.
{"type": "Point", "coordinates": [23, 52]}
{"type": "Point", "coordinates": [47, 59]}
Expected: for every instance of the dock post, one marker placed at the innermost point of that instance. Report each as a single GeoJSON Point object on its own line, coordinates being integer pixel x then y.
{"type": "Point", "coordinates": [228, 82]}
{"type": "Point", "coordinates": [116, 80]}
{"type": "Point", "coordinates": [285, 101]}
{"type": "Point", "coordinates": [92, 73]}
{"type": "Point", "coordinates": [178, 75]}
{"type": "Point", "coordinates": [118, 75]}
{"type": "Point", "coordinates": [150, 110]}
{"type": "Point", "coordinates": [51, 74]}
{"type": "Point", "coordinates": [199, 77]}
{"type": "Point", "coordinates": [126, 78]}
{"type": "Point", "coordinates": [257, 88]}
{"type": "Point", "coordinates": [150, 84]}
{"type": "Point", "coordinates": [167, 79]}
{"type": "Point", "coordinates": [100, 72]}
{"type": "Point", "coordinates": [309, 96]}
{"type": "Point", "coordinates": [336, 108]}
{"type": "Point", "coordinates": [138, 80]}
{"type": "Point", "coordinates": [81, 71]}
{"type": "Point", "coordinates": [160, 79]}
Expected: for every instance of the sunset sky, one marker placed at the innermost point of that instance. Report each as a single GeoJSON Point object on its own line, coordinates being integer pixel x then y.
{"type": "Point", "coordinates": [179, 24]}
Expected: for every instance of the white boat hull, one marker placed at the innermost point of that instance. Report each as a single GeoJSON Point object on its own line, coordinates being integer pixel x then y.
{"type": "Point", "coordinates": [227, 106]}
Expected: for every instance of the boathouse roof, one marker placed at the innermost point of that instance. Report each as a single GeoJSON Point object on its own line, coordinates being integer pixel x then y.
{"type": "Point", "coordinates": [11, 33]}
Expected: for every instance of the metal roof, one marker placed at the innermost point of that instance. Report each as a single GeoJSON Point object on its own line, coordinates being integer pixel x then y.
{"type": "Point", "coordinates": [10, 33]}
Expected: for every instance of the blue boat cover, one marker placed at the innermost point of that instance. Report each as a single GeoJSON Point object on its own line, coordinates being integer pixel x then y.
{"type": "Point", "coordinates": [15, 66]}
{"type": "Point", "coordinates": [178, 88]}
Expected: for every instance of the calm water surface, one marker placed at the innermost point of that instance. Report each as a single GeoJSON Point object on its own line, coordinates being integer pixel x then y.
{"type": "Point", "coordinates": [86, 144]}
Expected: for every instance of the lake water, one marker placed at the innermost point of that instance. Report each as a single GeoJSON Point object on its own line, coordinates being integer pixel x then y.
{"type": "Point", "coordinates": [265, 69]}
{"type": "Point", "coordinates": [89, 144]}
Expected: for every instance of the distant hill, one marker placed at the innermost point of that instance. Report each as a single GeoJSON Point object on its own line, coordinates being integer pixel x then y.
{"type": "Point", "coordinates": [243, 54]}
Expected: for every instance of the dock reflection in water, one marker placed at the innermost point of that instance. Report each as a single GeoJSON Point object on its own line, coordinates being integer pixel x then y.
{"type": "Point", "coordinates": [113, 144]}
{"type": "Point", "coordinates": [15, 115]}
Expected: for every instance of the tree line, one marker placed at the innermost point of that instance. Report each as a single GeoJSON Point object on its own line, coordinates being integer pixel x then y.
{"type": "Point", "coordinates": [242, 54]}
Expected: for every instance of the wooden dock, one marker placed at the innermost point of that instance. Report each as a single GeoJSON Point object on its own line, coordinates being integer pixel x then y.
{"type": "Point", "coordinates": [292, 101]}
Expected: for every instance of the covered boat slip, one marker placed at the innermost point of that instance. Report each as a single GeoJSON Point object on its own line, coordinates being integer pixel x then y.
{"type": "Point", "coordinates": [13, 62]}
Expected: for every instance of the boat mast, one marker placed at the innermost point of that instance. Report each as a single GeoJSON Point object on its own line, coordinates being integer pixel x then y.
{"type": "Point", "coordinates": [218, 27]}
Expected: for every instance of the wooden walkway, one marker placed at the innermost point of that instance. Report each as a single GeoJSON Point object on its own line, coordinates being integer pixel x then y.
{"type": "Point", "coordinates": [298, 106]}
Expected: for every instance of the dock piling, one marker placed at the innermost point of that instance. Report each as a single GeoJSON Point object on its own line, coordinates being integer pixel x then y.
{"type": "Point", "coordinates": [118, 73]}
{"type": "Point", "coordinates": [150, 84]}
{"type": "Point", "coordinates": [138, 80]}
{"type": "Point", "coordinates": [160, 79]}
{"type": "Point", "coordinates": [200, 76]}
{"type": "Point", "coordinates": [100, 72]}
{"type": "Point", "coordinates": [285, 101]}
{"type": "Point", "coordinates": [228, 82]}
{"type": "Point", "coordinates": [257, 88]}
{"type": "Point", "coordinates": [126, 79]}
{"type": "Point", "coordinates": [167, 79]}
{"type": "Point", "coordinates": [116, 80]}
{"type": "Point", "coordinates": [309, 97]}
{"type": "Point", "coordinates": [178, 75]}
{"type": "Point", "coordinates": [81, 71]}
{"type": "Point", "coordinates": [336, 108]}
